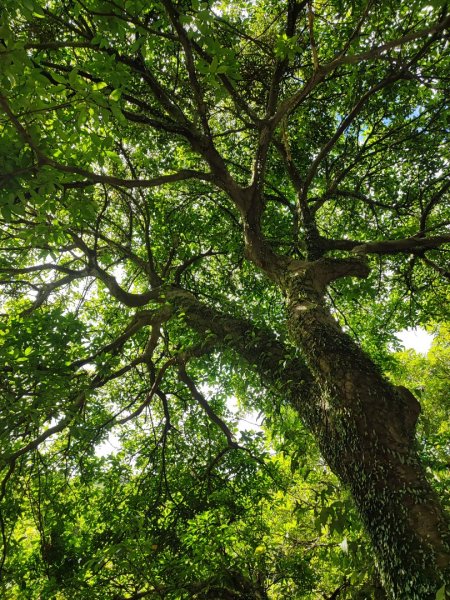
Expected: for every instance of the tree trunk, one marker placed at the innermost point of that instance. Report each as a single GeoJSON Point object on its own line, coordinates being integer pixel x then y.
{"type": "Point", "coordinates": [363, 425]}
{"type": "Point", "coordinates": [367, 437]}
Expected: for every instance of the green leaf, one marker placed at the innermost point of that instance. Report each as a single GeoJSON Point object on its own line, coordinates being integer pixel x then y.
{"type": "Point", "coordinates": [6, 212]}
{"type": "Point", "coordinates": [99, 86]}
{"type": "Point", "coordinates": [73, 77]}
{"type": "Point", "coordinates": [115, 95]}
{"type": "Point", "coordinates": [59, 78]}
{"type": "Point", "coordinates": [440, 594]}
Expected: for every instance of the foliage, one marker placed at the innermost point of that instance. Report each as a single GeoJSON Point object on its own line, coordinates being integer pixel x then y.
{"type": "Point", "coordinates": [428, 377]}
{"type": "Point", "coordinates": [180, 183]}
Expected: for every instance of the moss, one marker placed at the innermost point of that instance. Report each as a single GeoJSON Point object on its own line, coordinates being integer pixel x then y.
{"type": "Point", "coordinates": [367, 438]}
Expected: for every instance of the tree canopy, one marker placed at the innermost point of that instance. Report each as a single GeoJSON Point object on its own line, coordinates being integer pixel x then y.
{"type": "Point", "coordinates": [208, 203]}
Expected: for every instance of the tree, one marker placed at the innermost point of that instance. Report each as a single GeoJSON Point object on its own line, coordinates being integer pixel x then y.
{"type": "Point", "coordinates": [191, 192]}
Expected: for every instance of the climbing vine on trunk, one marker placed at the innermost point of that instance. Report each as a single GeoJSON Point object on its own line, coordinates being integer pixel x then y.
{"type": "Point", "coordinates": [206, 203]}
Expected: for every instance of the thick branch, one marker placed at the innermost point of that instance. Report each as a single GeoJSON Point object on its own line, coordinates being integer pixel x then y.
{"type": "Point", "coordinates": [126, 298]}
{"type": "Point", "coordinates": [182, 175]}
{"type": "Point", "coordinates": [259, 347]}
{"type": "Point", "coordinates": [117, 292]}
{"type": "Point", "coordinates": [131, 183]}
{"type": "Point", "coordinates": [409, 245]}
{"type": "Point", "coordinates": [323, 271]}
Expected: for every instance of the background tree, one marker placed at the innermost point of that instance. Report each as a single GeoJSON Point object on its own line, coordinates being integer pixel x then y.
{"type": "Point", "coordinates": [428, 378]}
{"type": "Point", "coordinates": [191, 190]}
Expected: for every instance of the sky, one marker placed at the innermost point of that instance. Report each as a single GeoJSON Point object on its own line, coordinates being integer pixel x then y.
{"type": "Point", "coordinates": [418, 339]}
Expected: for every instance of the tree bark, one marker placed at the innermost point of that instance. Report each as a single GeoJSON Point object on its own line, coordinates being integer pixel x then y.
{"type": "Point", "coordinates": [363, 425]}
{"type": "Point", "coordinates": [367, 436]}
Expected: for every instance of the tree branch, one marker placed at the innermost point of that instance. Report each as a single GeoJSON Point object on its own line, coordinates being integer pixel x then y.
{"type": "Point", "coordinates": [182, 175]}
{"type": "Point", "coordinates": [291, 103]}
{"type": "Point", "coordinates": [140, 320]}
{"type": "Point", "coordinates": [72, 411]}
{"type": "Point", "coordinates": [190, 65]}
{"type": "Point", "coordinates": [26, 137]}
{"type": "Point", "coordinates": [345, 123]}
{"type": "Point", "coordinates": [312, 41]}
{"type": "Point", "coordinates": [377, 51]}
{"type": "Point", "coordinates": [411, 245]}
{"type": "Point", "coordinates": [444, 272]}
{"type": "Point", "coordinates": [432, 203]}
{"type": "Point", "coordinates": [45, 291]}
{"type": "Point", "coordinates": [155, 386]}
{"type": "Point", "coordinates": [184, 377]}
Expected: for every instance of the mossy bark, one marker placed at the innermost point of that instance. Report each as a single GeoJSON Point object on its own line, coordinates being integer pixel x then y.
{"type": "Point", "coordinates": [367, 436]}
{"type": "Point", "coordinates": [363, 425]}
